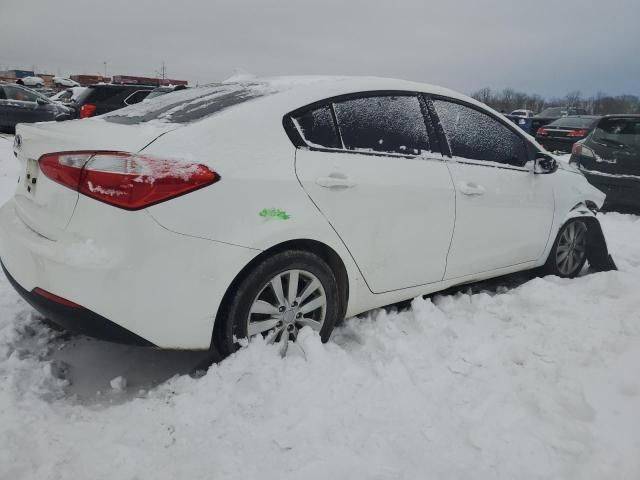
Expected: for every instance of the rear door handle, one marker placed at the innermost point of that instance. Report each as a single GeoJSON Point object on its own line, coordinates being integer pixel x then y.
{"type": "Point", "coordinates": [335, 180]}
{"type": "Point", "coordinates": [470, 188]}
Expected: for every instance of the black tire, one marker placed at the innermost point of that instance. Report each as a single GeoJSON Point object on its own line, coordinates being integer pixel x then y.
{"type": "Point", "coordinates": [231, 325]}
{"type": "Point", "coordinates": [569, 252]}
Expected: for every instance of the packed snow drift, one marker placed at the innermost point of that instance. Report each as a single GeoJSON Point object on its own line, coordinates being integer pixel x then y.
{"type": "Point", "coordinates": [517, 378]}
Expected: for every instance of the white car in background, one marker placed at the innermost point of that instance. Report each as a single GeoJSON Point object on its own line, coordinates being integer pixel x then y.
{"type": "Point", "coordinates": [239, 209]}
{"type": "Point", "coordinates": [523, 113]}
{"type": "Point", "coordinates": [68, 95]}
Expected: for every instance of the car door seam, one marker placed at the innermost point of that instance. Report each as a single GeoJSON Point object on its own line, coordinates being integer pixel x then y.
{"type": "Point", "coordinates": [295, 171]}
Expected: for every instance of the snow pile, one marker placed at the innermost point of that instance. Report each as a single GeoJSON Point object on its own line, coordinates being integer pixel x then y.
{"type": "Point", "coordinates": [536, 380]}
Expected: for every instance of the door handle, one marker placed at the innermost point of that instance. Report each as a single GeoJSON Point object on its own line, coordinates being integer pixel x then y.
{"type": "Point", "coordinates": [470, 188]}
{"type": "Point", "coordinates": [335, 180]}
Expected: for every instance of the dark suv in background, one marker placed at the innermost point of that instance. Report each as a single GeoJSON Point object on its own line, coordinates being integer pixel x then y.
{"type": "Point", "coordinates": [104, 98]}
{"type": "Point", "coordinates": [610, 159]}
{"type": "Point", "coordinates": [22, 105]}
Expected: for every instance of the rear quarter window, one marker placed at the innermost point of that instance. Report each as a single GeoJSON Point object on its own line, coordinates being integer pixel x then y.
{"type": "Point", "coordinates": [318, 128]}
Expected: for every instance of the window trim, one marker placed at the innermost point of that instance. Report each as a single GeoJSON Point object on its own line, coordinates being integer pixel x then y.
{"type": "Point", "coordinates": [447, 152]}
{"type": "Point", "coordinates": [299, 141]}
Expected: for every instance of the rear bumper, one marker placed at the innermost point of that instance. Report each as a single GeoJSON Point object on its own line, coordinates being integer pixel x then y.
{"type": "Point", "coordinates": [136, 281]}
{"type": "Point", "coordinates": [620, 191]}
{"type": "Point", "coordinates": [77, 319]}
{"type": "Point", "coordinates": [563, 145]}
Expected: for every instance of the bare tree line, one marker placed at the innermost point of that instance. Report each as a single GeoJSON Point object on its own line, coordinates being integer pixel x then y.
{"type": "Point", "coordinates": [509, 99]}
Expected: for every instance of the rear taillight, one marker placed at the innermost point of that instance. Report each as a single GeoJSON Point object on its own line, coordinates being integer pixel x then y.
{"type": "Point", "coordinates": [542, 132]}
{"type": "Point", "coordinates": [125, 180]}
{"type": "Point", "coordinates": [87, 110]}
{"type": "Point", "coordinates": [580, 150]}
{"type": "Point", "coordinates": [576, 149]}
{"type": "Point", "coordinates": [578, 132]}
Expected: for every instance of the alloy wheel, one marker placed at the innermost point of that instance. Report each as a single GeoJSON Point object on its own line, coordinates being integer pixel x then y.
{"type": "Point", "coordinates": [289, 301]}
{"type": "Point", "coordinates": [572, 248]}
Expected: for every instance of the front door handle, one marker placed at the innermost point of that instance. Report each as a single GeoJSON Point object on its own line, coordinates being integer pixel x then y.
{"type": "Point", "coordinates": [335, 180]}
{"type": "Point", "coordinates": [470, 188]}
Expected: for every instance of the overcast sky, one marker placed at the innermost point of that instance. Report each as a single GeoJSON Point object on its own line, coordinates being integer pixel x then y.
{"type": "Point", "coordinates": [549, 47]}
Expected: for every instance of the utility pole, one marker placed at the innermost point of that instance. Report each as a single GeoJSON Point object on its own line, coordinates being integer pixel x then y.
{"type": "Point", "coordinates": [105, 69]}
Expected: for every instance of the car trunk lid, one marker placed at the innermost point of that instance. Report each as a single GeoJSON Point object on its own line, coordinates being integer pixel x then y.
{"type": "Point", "coordinates": [44, 205]}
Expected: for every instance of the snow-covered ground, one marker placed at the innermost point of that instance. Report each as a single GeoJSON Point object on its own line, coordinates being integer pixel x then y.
{"type": "Point", "coordinates": [520, 378]}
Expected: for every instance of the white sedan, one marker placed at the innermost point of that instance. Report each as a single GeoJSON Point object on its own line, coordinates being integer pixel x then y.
{"type": "Point", "coordinates": [218, 213]}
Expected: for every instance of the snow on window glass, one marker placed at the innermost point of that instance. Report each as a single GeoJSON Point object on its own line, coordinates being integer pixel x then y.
{"type": "Point", "coordinates": [475, 135]}
{"type": "Point", "coordinates": [189, 105]}
{"type": "Point", "coordinates": [318, 129]}
{"type": "Point", "coordinates": [383, 124]}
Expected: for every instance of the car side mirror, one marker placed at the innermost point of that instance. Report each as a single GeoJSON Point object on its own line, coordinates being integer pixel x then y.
{"type": "Point", "coordinates": [41, 102]}
{"type": "Point", "coordinates": [544, 163]}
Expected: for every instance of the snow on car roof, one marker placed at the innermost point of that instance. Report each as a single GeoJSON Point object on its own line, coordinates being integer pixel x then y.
{"type": "Point", "coordinates": [287, 92]}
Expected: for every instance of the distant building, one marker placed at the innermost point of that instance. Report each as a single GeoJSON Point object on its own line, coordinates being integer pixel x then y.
{"type": "Point", "coordinates": [15, 74]}
{"type": "Point", "coordinates": [86, 80]}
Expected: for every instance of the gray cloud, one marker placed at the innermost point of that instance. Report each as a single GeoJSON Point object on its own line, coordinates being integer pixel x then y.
{"type": "Point", "coordinates": [548, 47]}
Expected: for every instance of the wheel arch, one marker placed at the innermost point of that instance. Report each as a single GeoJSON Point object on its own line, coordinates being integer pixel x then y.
{"type": "Point", "coordinates": [324, 251]}
{"type": "Point", "coordinates": [597, 249]}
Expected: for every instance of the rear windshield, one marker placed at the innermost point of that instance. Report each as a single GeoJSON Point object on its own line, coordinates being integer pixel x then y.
{"type": "Point", "coordinates": [185, 106]}
{"type": "Point", "coordinates": [618, 131]}
{"type": "Point", "coordinates": [552, 112]}
{"type": "Point", "coordinates": [574, 122]}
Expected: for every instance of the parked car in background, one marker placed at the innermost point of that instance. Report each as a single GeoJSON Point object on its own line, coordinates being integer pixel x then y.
{"type": "Point", "coordinates": [557, 112]}
{"type": "Point", "coordinates": [68, 95]}
{"type": "Point", "coordinates": [561, 134]}
{"type": "Point", "coordinates": [523, 113]}
{"type": "Point", "coordinates": [103, 98]}
{"type": "Point", "coordinates": [610, 159]}
{"type": "Point", "coordinates": [157, 92]}
{"type": "Point", "coordinates": [270, 206]}
{"type": "Point", "coordinates": [30, 81]}
{"type": "Point", "coordinates": [62, 82]}
{"type": "Point", "coordinates": [22, 105]}
{"type": "Point", "coordinates": [550, 114]}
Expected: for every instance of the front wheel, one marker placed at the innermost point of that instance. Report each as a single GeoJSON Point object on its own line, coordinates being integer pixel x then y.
{"type": "Point", "coordinates": [569, 252]}
{"type": "Point", "coordinates": [280, 296]}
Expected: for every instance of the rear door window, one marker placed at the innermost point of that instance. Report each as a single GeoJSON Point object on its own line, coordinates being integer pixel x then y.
{"type": "Point", "coordinates": [386, 124]}
{"type": "Point", "coordinates": [478, 136]}
{"type": "Point", "coordinates": [15, 93]}
{"type": "Point", "coordinates": [106, 94]}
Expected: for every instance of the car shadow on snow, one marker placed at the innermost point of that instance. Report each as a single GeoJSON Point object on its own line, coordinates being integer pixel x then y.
{"type": "Point", "coordinates": [93, 367]}
{"type": "Point", "coordinates": [100, 372]}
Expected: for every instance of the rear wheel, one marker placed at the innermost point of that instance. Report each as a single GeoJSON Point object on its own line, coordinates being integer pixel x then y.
{"type": "Point", "coordinates": [569, 252]}
{"type": "Point", "coordinates": [280, 296]}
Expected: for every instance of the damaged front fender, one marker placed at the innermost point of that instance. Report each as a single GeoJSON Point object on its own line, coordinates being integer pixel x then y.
{"type": "Point", "coordinates": [598, 254]}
